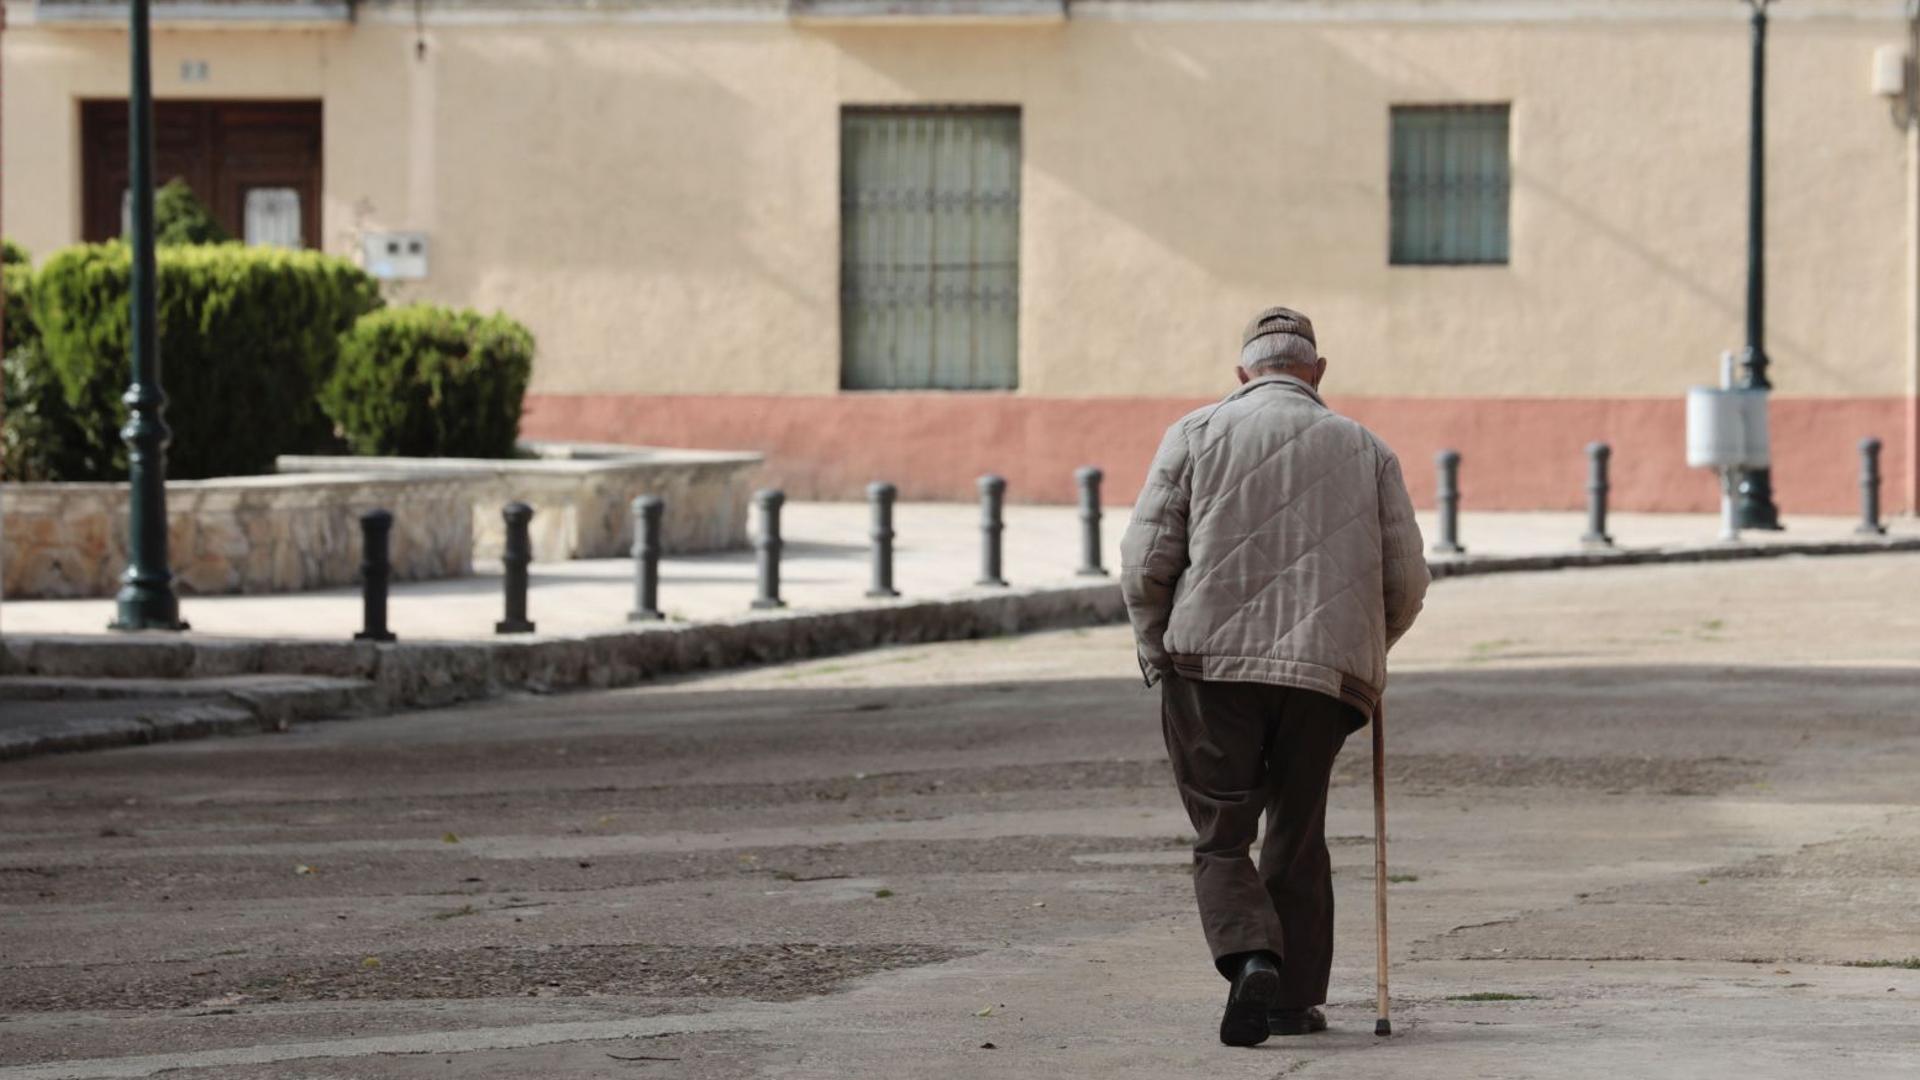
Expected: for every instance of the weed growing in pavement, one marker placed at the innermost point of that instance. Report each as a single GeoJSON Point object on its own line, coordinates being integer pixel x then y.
{"type": "Point", "coordinates": [1493, 996]}
{"type": "Point", "coordinates": [1911, 963]}
{"type": "Point", "coordinates": [1485, 650]}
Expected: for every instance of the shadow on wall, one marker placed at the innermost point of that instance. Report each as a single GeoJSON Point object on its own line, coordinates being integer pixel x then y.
{"type": "Point", "coordinates": [1181, 209]}
{"type": "Point", "coordinates": [1232, 194]}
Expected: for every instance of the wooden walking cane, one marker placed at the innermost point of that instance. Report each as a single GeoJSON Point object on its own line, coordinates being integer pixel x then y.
{"type": "Point", "coordinates": [1382, 1026]}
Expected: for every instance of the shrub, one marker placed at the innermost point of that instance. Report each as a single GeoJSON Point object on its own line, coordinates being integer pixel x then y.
{"type": "Point", "coordinates": [179, 217]}
{"type": "Point", "coordinates": [246, 336]}
{"type": "Point", "coordinates": [40, 438]}
{"type": "Point", "coordinates": [16, 279]}
{"type": "Point", "coordinates": [431, 382]}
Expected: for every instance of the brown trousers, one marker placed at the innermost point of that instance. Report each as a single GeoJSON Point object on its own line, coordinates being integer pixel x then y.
{"type": "Point", "coordinates": [1240, 750]}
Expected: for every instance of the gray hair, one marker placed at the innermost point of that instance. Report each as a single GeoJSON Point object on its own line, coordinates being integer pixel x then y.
{"type": "Point", "coordinates": [1275, 352]}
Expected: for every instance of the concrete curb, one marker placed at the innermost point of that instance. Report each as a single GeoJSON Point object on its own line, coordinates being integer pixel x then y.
{"type": "Point", "coordinates": [420, 674]}
{"type": "Point", "coordinates": [426, 674]}
{"type": "Point", "coordinates": [46, 714]}
{"type": "Point", "coordinates": [1472, 565]}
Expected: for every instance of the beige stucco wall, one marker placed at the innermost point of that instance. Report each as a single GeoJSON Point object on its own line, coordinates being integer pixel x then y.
{"type": "Point", "coordinates": [659, 200]}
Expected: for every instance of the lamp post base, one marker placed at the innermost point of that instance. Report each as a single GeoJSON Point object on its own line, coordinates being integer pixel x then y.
{"type": "Point", "coordinates": [1755, 498]}
{"type": "Point", "coordinates": [142, 608]}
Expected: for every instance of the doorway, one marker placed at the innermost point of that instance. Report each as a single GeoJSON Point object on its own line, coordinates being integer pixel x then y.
{"type": "Point", "coordinates": [255, 164]}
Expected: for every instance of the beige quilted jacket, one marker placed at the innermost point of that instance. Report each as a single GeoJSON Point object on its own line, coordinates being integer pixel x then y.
{"type": "Point", "coordinates": [1273, 542]}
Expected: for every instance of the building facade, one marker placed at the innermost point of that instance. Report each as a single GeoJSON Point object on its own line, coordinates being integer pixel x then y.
{"type": "Point", "coordinates": [923, 241]}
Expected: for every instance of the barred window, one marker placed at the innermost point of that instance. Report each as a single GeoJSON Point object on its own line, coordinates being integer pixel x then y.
{"type": "Point", "coordinates": [1449, 184]}
{"type": "Point", "coordinates": [929, 248]}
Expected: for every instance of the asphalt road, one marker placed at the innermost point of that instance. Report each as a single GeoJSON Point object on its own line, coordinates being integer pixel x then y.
{"type": "Point", "coordinates": [1650, 822]}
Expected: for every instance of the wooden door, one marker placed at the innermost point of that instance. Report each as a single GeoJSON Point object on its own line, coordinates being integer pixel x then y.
{"type": "Point", "coordinates": [234, 154]}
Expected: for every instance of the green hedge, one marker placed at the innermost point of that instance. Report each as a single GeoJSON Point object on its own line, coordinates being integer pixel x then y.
{"type": "Point", "coordinates": [41, 438]}
{"type": "Point", "coordinates": [431, 382]}
{"type": "Point", "coordinates": [246, 335]}
{"type": "Point", "coordinates": [16, 279]}
{"type": "Point", "coordinates": [179, 217]}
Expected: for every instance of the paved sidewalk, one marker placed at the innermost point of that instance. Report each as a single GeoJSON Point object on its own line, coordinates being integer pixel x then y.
{"type": "Point", "coordinates": [826, 567]}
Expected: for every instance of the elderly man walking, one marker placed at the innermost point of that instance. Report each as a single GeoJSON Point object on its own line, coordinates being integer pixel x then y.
{"type": "Point", "coordinates": [1270, 564]}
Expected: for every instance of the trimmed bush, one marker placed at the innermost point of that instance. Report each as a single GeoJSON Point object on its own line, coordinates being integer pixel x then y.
{"type": "Point", "coordinates": [246, 335]}
{"type": "Point", "coordinates": [16, 280]}
{"type": "Point", "coordinates": [179, 217]}
{"type": "Point", "coordinates": [423, 381]}
{"type": "Point", "coordinates": [40, 439]}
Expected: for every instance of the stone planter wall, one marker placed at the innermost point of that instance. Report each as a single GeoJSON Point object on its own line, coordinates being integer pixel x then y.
{"type": "Point", "coordinates": [300, 530]}
{"type": "Point", "coordinates": [582, 495]}
{"type": "Point", "coordinates": [238, 535]}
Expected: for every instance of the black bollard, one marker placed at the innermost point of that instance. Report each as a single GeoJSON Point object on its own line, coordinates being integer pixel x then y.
{"type": "Point", "coordinates": [1870, 489]}
{"type": "Point", "coordinates": [993, 491]}
{"type": "Point", "coordinates": [647, 510]}
{"type": "Point", "coordinates": [376, 569]}
{"type": "Point", "coordinates": [1598, 454]}
{"type": "Point", "coordinates": [880, 495]}
{"type": "Point", "coordinates": [1447, 499]}
{"type": "Point", "coordinates": [768, 545]}
{"type": "Point", "coordinates": [515, 556]}
{"type": "Point", "coordinates": [1089, 477]}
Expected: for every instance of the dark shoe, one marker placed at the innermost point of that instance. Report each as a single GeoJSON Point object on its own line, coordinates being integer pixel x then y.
{"type": "Point", "coordinates": [1296, 1021]}
{"type": "Point", "coordinates": [1255, 986]}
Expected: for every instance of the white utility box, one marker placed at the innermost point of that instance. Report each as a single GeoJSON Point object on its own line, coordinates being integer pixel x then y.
{"type": "Point", "coordinates": [1890, 71]}
{"type": "Point", "coordinates": [1727, 429]}
{"type": "Point", "coordinates": [395, 256]}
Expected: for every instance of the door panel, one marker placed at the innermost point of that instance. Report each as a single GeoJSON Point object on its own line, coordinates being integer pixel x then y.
{"type": "Point", "coordinates": [222, 149]}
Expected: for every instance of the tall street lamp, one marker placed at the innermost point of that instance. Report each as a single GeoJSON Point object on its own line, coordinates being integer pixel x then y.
{"type": "Point", "coordinates": [1756, 509]}
{"type": "Point", "coordinates": [146, 600]}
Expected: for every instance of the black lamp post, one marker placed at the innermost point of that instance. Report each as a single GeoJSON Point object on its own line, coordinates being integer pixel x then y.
{"type": "Point", "coordinates": [1755, 487]}
{"type": "Point", "coordinates": [146, 600]}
